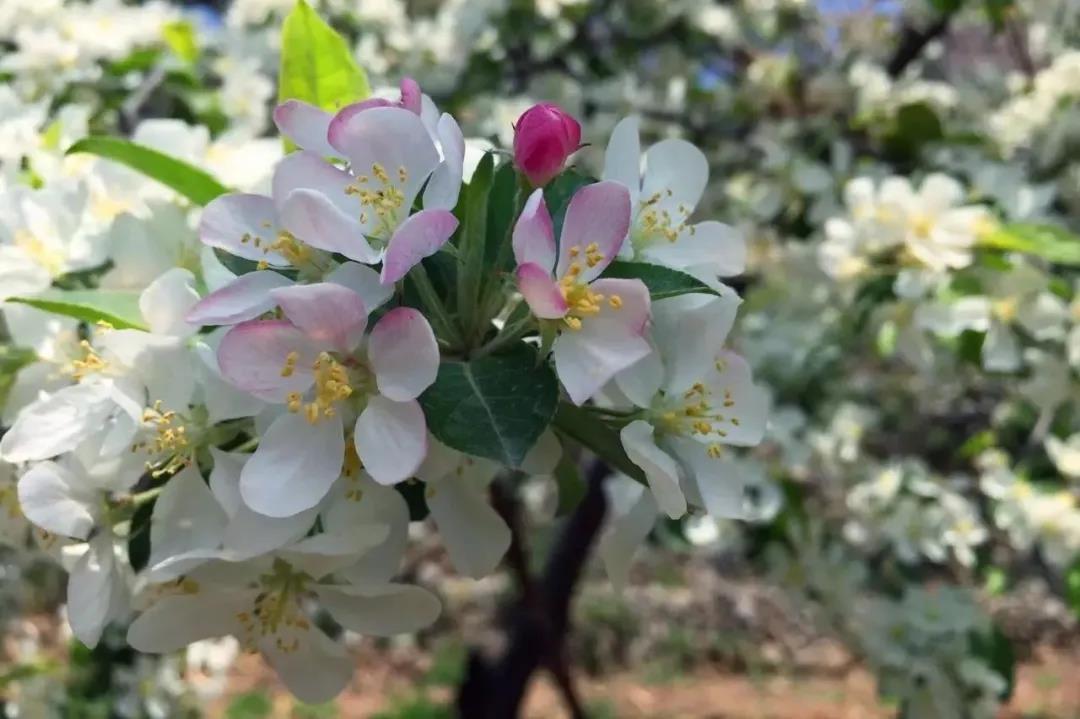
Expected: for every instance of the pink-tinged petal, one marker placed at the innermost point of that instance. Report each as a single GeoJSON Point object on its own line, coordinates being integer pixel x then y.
{"type": "Point", "coordinates": [332, 316]}
{"type": "Point", "coordinates": [252, 357]}
{"type": "Point", "coordinates": [541, 292]}
{"type": "Point", "coordinates": [534, 234]}
{"type": "Point", "coordinates": [344, 114]}
{"type": "Point", "coordinates": [587, 359]}
{"type": "Point", "coordinates": [403, 353]}
{"type": "Point", "coordinates": [633, 302]}
{"type": "Point", "coordinates": [245, 298]}
{"type": "Point", "coordinates": [391, 137]}
{"type": "Point", "coordinates": [600, 214]}
{"type": "Point", "coordinates": [242, 225]}
{"type": "Point", "coordinates": [418, 237]}
{"type": "Point", "coordinates": [315, 221]}
{"type": "Point", "coordinates": [445, 184]}
{"type": "Point", "coordinates": [411, 95]}
{"type": "Point", "coordinates": [391, 439]}
{"type": "Point", "coordinates": [304, 124]}
{"type": "Point", "coordinates": [295, 465]}
{"type": "Point", "coordinates": [308, 171]}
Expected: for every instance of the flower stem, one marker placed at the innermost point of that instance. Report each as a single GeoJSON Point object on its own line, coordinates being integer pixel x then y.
{"type": "Point", "coordinates": [443, 323]}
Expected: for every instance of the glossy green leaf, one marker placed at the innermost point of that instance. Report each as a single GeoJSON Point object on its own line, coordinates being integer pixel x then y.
{"type": "Point", "coordinates": [181, 39]}
{"type": "Point", "coordinates": [663, 282]}
{"type": "Point", "coordinates": [118, 308]}
{"type": "Point", "coordinates": [317, 65]}
{"type": "Point", "coordinates": [471, 246]}
{"type": "Point", "coordinates": [495, 407]}
{"type": "Point", "coordinates": [194, 184]}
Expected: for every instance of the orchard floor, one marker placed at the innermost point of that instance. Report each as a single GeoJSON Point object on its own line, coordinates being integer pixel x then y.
{"type": "Point", "coordinates": [1047, 689]}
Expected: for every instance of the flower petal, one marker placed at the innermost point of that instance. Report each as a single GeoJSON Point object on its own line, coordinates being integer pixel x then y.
{"type": "Point", "coordinates": [661, 470]}
{"type": "Point", "coordinates": [294, 466]}
{"type": "Point", "coordinates": [332, 316]}
{"type": "Point", "coordinates": [715, 246]}
{"type": "Point", "coordinates": [541, 291]}
{"type": "Point", "coordinates": [597, 214]}
{"type": "Point", "coordinates": [391, 439]}
{"type": "Point", "coordinates": [380, 611]}
{"type": "Point", "coordinates": [745, 403]}
{"type": "Point", "coordinates": [364, 281]}
{"type": "Point", "coordinates": [177, 620]}
{"type": "Point", "coordinates": [632, 517]}
{"type": "Point", "coordinates": [309, 171]}
{"type": "Point", "coordinates": [245, 298]}
{"type": "Point", "coordinates": [475, 535]}
{"type": "Point", "coordinates": [304, 124]}
{"type": "Point", "coordinates": [420, 236]}
{"type": "Point", "coordinates": [534, 234]}
{"type": "Point", "coordinates": [359, 501]}
{"type": "Point", "coordinates": [315, 669]}
{"type": "Point", "coordinates": [587, 359]}
{"type": "Point", "coordinates": [403, 353]}
{"type": "Point", "coordinates": [390, 137]}
{"type": "Point", "coordinates": [165, 302]}
{"type": "Point", "coordinates": [314, 219]}
{"type": "Point", "coordinates": [186, 517]}
{"type": "Point", "coordinates": [55, 500]}
{"type": "Point", "coordinates": [445, 184]}
{"type": "Point", "coordinates": [243, 225]}
{"type": "Point", "coordinates": [93, 588]}
{"type": "Point", "coordinates": [622, 158]}
{"type": "Point", "coordinates": [676, 166]}
{"type": "Point", "coordinates": [252, 357]}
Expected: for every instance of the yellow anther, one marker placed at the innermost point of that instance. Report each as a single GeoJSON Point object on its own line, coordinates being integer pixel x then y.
{"type": "Point", "coordinates": [89, 364]}
{"type": "Point", "coordinates": [615, 302]}
{"type": "Point", "coordinates": [715, 451]}
{"type": "Point", "coordinates": [572, 322]}
{"type": "Point", "coordinates": [290, 364]}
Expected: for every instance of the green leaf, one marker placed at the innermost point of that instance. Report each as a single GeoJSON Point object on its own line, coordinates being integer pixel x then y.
{"type": "Point", "coordinates": [181, 39]}
{"type": "Point", "coordinates": [495, 407]}
{"type": "Point", "coordinates": [117, 307]}
{"type": "Point", "coordinates": [663, 282]}
{"type": "Point", "coordinates": [471, 247]}
{"type": "Point", "coordinates": [571, 485]}
{"type": "Point", "coordinates": [1052, 243]}
{"type": "Point", "coordinates": [191, 182]}
{"type": "Point", "coordinates": [501, 210]}
{"type": "Point", "coordinates": [916, 125]}
{"type": "Point", "coordinates": [595, 434]}
{"type": "Point", "coordinates": [316, 63]}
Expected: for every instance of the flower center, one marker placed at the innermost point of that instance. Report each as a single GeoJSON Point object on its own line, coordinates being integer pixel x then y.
{"type": "Point", "coordinates": [91, 362]}
{"type": "Point", "coordinates": [172, 447]}
{"type": "Point", "coordinates": [581, 300]}
{"type": "Point", "coordinates": [294, 251]}
{"type": "Point", "coordinates": [698, 413]}
{"type": "Point", "coordinates": [380, 198]}
{"type": "Point", "coordinates": [332, 385]}
{"type": "Point", "coordinates": [656, 224]}
{"type": "Point", "coordinates": [276, 609]}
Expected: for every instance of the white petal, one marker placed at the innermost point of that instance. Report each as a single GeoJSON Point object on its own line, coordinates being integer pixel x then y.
{"type": "Point", "coordinates": [177, 620]}
{"type": "Point", "coordinates": [391, 439]}
{"type": "Point", "coordinates": [475, 535]}
{"type": "Point", "coordinates": [186, 517]}
{"type": "Point", "coordinates": [165, 302]}
{"type": "Point", "coordinates": [92, 586]}
{"type": "Point", "coordinates": [57, 423]}
{"type": "Point", "coordinates": [294, 466]}
{"type": "Point", "coordinates": [660, 469]}
{"type": "Point", "coordinates": [622, 158]}
{"type": "Point", "coordinates": [588, 358]}
{"type": "Point", "coordinates": [627, 526]}
{"type": "Point", "coordinates": [316, 670]}
{"type": "Point", "coordinates": [361, 501]}
{"type": "Point", "coordinates": [245, 298]}
{"type": "Point", "coordinates": [380, 611]}
{"type": "Point", "coordinates": [57, 501]}
{"type": "Point", "coordinates": [364, 281]}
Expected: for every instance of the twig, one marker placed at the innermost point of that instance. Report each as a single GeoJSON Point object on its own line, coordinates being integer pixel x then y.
{"type": "Point", "coordinates": [912, 42]}
{"type": "Point", "coordinates": [495, 688]}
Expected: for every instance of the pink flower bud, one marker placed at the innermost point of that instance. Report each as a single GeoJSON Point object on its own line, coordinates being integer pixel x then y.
{"type": "Point", "coordinates": [543, 138]}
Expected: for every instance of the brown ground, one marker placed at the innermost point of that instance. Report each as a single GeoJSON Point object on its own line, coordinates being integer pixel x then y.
{"type": "Point", "coordinates": [1047, 689]}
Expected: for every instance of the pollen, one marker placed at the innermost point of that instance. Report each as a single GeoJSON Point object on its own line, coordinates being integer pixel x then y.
{"type": "Point", "coordinates": [381, 200]}
{"type": "Point", "coordinates": [91, 362]}
{"type": "Point", "coordinates": [331, 386]}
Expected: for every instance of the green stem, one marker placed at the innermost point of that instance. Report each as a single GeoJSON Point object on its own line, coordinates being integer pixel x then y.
{"type": "Point", "coordinates": [509, 334]}
{"type": "Point", "coordinates": [444, 324]}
